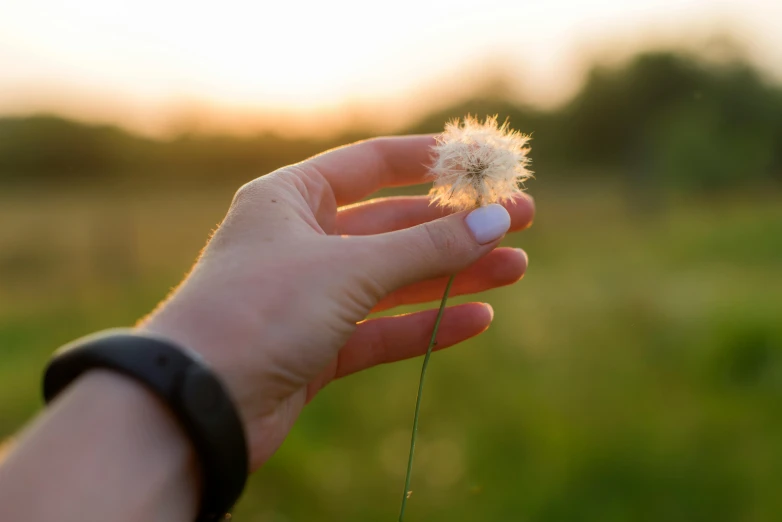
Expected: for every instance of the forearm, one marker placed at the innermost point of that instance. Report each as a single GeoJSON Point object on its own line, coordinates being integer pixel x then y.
{"type": "Point", "coordinates": [107, 449]}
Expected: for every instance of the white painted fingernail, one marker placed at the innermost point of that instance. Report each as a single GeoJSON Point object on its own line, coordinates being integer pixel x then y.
{"type": "Point", "coordinates": [488, 223]}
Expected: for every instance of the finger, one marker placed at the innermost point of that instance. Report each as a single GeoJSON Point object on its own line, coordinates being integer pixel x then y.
{"type": "Point", "coordinates": [389, 339]}
{"type": "Point", "coordinates": [503, 266]}
{"type": "Point", "coordinates": [432, 249]}
{"type": "Point", "coordinates": [357, 170]}
{"type": "Point", "coordinates": [395, 213]}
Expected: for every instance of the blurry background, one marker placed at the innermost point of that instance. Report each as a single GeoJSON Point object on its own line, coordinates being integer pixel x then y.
{"type": "Point", "coordinates": [634, 374]}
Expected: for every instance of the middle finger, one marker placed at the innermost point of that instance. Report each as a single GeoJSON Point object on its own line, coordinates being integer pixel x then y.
{"type": "Point", "coordinates": [381, 215]}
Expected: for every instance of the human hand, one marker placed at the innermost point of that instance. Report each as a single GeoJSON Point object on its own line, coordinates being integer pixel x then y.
{"type": "Point", "coordinates": [277, 303]}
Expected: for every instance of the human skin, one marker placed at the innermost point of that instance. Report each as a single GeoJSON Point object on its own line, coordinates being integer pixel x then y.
{"type": "Point", "coordinates": [277, 305]}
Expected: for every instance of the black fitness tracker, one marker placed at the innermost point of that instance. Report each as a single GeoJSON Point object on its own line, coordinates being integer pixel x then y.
{"type": "Point", "coordinates": [191, 390]}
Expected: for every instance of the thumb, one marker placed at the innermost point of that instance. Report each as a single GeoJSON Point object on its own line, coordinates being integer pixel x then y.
{"type": "Point", "coordinates": [435, 248]}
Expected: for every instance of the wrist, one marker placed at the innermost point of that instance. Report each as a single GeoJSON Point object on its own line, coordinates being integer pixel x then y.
{"type": "Point", "coordinates": [265, 426]}
{"type": "Point", "coordinates": [111, 451]}
{"type": "Point", "coordinates": [188, 388]}
{"type": "Point", "coordinates": [193, 334]}
{"type": "Point", "coordinates": [177, 473]}
{"type": "Point", "coordinates": [129, 398]}
{"type": "Point", "coordinates": [214, 333]}
{"type": "Point", "coordinates": [195, 324]}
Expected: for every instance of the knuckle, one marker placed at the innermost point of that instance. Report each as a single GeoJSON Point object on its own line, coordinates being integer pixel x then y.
{"type": "Point", "coordinates": [256, 190]}
{"type": "Point", "coordinates": [247, 193]}
{"type": "Point", "coordinates": [373, 290]}
{"type": "Point", "coordinates": [441, 240]}
{"type": "Point", "coordinates": [377, 146]}
{"type": "Point", "coordinates": [369, 284]}
{"type": "Point", "coordinates": [360, 297]}
{"type": "Point", "coordinates": [243, 193]}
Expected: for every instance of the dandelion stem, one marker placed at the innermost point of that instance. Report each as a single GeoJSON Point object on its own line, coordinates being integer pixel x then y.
{"type": "Point", "coordinates": [432, 342]}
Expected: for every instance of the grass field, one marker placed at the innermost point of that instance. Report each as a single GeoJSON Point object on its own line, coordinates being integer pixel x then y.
{"type": "Point", "coordinates": [634, 374]}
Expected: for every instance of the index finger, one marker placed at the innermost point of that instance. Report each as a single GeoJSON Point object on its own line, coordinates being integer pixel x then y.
{"type": "Point", "coordinates": [357, 170]}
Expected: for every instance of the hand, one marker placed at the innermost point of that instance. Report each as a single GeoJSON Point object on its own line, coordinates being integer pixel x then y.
{"type": "Point", "coordinates": [278, 300]}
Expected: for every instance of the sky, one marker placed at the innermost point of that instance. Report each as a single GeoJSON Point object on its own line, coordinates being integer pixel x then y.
{"type": "Point", "coordinates": [152, 65]}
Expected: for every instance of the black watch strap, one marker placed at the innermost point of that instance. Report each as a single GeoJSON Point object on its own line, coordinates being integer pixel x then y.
{"type": "Point", "coordinates": [190, 389]}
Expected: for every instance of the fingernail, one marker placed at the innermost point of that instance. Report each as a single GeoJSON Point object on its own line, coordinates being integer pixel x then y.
{"type": "Point", "coordinates": [488, 223]}
{"type": "Point", "coordinates": [491, 310]}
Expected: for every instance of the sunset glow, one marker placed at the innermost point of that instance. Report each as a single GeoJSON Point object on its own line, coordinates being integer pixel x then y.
{"type": "Point", "coordinates": [140, 62]}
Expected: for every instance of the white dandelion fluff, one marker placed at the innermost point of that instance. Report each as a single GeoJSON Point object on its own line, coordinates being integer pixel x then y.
{"type": "Point", "coordinates": [478, 163]}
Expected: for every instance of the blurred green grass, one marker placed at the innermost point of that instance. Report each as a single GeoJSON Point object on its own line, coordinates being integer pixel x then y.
{"type": "Point", "coordinates": [634, 374]}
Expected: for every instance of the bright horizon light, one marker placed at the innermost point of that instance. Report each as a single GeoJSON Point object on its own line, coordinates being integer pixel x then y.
{"type": "Point", "coordinates": [140, 63]}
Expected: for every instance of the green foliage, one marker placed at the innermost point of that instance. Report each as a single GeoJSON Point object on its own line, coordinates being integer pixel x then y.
{"type": "Point", "coordinates": [727, 137]}
{"type": "Point", "coordinates": [52, 150]}
{"type": "Point", "coordinates": [48, 148]}
{"type": "Point", "coordinates": [634, 374]}
{"type": "Point", "coordinates": [663, 119]}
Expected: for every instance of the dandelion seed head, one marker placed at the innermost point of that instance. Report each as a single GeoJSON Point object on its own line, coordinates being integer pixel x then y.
{"type": "Point", "coordinates": [478, 163]}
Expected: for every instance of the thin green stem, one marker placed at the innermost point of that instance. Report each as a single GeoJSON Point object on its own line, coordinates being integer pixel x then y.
{"type": "Point", "coordinates": [432, 342]}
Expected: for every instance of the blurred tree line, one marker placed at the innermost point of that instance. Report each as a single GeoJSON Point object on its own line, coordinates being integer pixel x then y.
{"type": "Point", "coordinates": [661, 119]}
